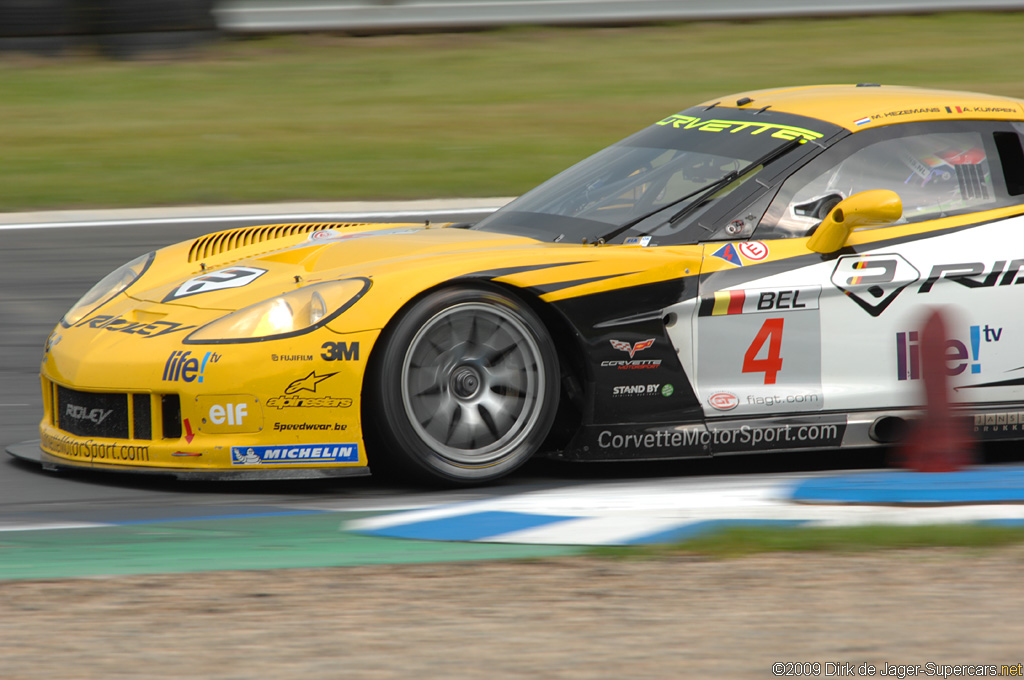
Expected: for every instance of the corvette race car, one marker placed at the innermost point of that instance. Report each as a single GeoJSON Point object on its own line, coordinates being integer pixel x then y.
{"type": "Point", "coordinates": [748, 275]}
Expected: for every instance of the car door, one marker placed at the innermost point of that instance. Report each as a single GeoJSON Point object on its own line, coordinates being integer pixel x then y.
{"type": "Point", "coordinates": [781, 329]}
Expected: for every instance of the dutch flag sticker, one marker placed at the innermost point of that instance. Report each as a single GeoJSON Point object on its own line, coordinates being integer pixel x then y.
{"type": "Point", "coordinates": [862, 121]}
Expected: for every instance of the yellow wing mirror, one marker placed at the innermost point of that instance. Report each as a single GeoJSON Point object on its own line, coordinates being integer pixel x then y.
{"type": "Point", "coordinates": [875, 208]}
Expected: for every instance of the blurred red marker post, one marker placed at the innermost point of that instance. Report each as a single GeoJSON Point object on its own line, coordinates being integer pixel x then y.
{"type": "Point", "coordinates": [941, 441]}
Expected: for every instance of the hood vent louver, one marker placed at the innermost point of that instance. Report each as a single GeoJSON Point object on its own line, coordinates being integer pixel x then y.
{"type": "Point", "coordinates": [232, 239]}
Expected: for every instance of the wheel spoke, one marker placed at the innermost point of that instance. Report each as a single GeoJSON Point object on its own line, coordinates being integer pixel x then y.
{"type": "Point", "coordinates": [508, 374]}
{"type": "Point", "coordinates": [495, 358]}
{"type": "Point", "coordinates": [436, 347]}
{"type": "Point", "coordinates": [473, 340]}
{"type": "Point", "coordinates": [453, 424]}
{"type": "Point", "coordinates": [430, 391]}
{"type": "Point", "coordinates": [492, 427]}
{"type": "Point", "coordinates": [508, 391]}
{"type": "Point", "coordinates": [499, 329]}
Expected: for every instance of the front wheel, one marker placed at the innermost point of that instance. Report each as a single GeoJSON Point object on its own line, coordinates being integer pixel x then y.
{"type": "Point", "coordinates": [466, 388]}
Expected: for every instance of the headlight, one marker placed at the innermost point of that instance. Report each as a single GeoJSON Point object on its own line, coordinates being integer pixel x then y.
{"type": "Point", "coordinates": [299, 311]}
{"type": "Point", "coordinates": [109, 286]}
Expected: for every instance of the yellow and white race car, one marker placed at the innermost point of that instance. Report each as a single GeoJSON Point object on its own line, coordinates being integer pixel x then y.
{"type": "Point", "coordinates": [747, 275]}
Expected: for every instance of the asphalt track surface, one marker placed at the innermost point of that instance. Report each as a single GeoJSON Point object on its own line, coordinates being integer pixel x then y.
{"type": "Point", "coordinates": [45, 268]}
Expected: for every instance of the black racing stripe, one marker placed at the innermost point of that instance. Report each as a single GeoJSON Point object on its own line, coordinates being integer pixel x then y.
{"type": "Point", "coordinates": [561, 285]}
{"type": "Point", "coordinates": [506, 271]}
{"type": "Point", "coordinates": [734, 277]}
{"type": "Point", "coordinates": [1001, 383]}
{"type": "Point", "coordinates": [595, 310]}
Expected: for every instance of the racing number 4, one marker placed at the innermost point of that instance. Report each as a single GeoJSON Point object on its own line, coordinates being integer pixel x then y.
{"type": "Point", "coordinates": [771, 333]}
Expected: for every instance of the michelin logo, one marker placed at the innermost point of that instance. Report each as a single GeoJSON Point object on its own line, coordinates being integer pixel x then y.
{"type": "Point", "coordinates": [292, 455]}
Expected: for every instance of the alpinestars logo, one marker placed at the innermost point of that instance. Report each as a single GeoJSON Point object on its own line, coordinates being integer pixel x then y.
{"type": "Point", "coordinates": [307, 384]}
{"type": "Point", "coordinates": [632, 349]}
{"type": "Point", "coordinates": [873, 281]}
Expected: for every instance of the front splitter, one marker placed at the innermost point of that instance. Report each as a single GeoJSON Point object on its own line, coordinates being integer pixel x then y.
{"type": "Point", "coordinates": [31, 451]}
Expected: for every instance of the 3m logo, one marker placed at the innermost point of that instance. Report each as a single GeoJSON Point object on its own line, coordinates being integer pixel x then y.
{"type": "Point", "coordinates": [873, 281]}
{"type": "Point", "coordinates": [632, 349]}
{"type": "Point", "coordinates": [340, 351]}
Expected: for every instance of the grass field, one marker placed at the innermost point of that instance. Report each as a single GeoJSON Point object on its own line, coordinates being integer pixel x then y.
{"type": "Point", "coordinates": [390, 117]}
{"type": "Point", "coordinates": [745, 541]}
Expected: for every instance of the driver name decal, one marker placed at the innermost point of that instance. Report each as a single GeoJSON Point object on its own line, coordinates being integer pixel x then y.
{"type": "Point", "coordinates": [726, 302]}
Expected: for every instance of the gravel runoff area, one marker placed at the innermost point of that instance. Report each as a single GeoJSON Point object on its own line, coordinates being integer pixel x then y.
{"type": "Point", "coordinates": [577, 617]}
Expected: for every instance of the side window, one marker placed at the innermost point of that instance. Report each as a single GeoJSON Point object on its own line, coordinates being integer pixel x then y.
{"type": "Point", "coordinates": [935, 174]}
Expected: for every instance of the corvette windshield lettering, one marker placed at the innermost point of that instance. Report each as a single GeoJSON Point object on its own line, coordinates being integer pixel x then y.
{"type": "Point", "coordinates": [734, 126]}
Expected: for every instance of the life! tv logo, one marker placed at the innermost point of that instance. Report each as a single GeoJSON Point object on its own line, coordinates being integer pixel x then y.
{"type": "Point", "coordinates": [186, 368]}
{"type": "Point", "coordinates": [960, 355]}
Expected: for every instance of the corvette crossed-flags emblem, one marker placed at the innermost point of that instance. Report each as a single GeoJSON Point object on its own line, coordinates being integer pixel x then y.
{"type": "Point", "coordinates": [632, 349]}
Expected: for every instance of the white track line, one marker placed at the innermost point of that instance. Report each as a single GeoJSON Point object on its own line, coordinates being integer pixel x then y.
{"type": "Point", "coordinates": [268, 219]}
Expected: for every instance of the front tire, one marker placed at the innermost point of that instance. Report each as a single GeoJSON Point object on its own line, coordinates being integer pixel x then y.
{"type": "Point", "coordinates": [465, 389]}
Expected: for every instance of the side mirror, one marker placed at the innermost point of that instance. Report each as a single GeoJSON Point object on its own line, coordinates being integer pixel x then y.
{"type": "Point", "coordinates": [875, 208]}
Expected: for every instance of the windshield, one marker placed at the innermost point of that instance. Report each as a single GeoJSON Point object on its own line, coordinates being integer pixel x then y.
{"type": "Point", "coordinates": [664, 166]}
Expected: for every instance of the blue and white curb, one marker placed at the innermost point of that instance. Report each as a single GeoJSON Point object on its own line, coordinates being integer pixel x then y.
{"type": "Point", "coordinates": [656, 511]}
{"type": "Point", "coordinates": [999, 484]}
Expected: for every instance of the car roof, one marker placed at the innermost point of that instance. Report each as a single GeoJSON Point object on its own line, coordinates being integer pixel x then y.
{"type": "Point", "coordinates": [857, 107]}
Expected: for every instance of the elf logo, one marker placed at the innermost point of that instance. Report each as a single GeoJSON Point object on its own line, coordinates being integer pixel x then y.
{"type": "Point", "coordinates": [228, 414]}
{"type": "Point", "coordinates": [873, 281]}
{"type": "Point", "coordinates": [186, 368]}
